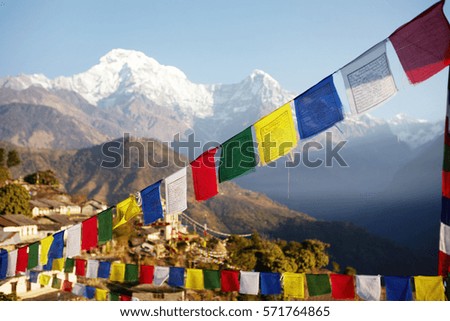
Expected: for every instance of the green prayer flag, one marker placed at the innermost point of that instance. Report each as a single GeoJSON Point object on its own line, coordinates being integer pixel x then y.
{"type": "Point", "coordinates": [68, 265]}
{"type": "Point", "coordinates": [56, 283]}
{"type": "Point", "coordinates": [105, 226]}
{"type": "Point", "coordinates": [318, 284]}
{"type": "Point", "coordinates": [131, 273]}
{"type": "Point", "coordinates": [33, 255]}
{"type": "Point", "coordinates": [211, 279]}
{"type": "Point", "coordinates": [114, 296]}
{"type": "Point", "coordinates": [237, 156]}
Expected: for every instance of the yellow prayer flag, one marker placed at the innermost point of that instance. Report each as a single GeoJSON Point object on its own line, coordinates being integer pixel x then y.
{"type": "Point", "coordinates": [44, 279]}
{"type": "Point", "coordinates": [58, 264]}
{"type": "Point", "coordinates": [429, 288]}
{"type": "Point", "coordinates": [126, 210]}
{"type": "Point", "coordinates": [45, 247]}
{"type": "Point", "coordinates": [275, 134]}
{"type": "Point", "coordinates": [117, 272]}
{"type": "Point", "coordinates": [101, 295]}
{"type": "Point", "coordinates": [194, 279]}
{"type": "Point", "coordinates": [294, 285]}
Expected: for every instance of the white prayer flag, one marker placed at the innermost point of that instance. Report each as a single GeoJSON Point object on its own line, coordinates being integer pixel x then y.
{"type": "Point", "coordinates": [176, 192]}
{"type": "Point", "coordinates": [79, 289]}
{"type": "Point", "coordinates": [249, 283]}
{"type": "Point", "coordinates": [12, 263]}
{"type": "Point", "coordinates": [92, 269]}
{"type": "Point", "coordinates": [160, 275]}
{"type": "Point", "coordinates": [444, 239]}
{"type": "Point", "coordinates": [73, 243]}
{"type": "Point", "coordinates": [368, 287]}
{"type": "Point", "coordinates": [368, 79]}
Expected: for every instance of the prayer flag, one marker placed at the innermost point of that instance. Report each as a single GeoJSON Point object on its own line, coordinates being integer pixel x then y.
{"type": "Point", "coordinates": [429, 288]}
{"type": "Point", "coordinates": [176, 276]}
{"type": "Point", "coordinates": [79, 289]}
{"type": "Point", "coordinates": [318, 109]}
{"type": "Point", "coordinates": [45, 248]}
{"type": "Point", "coordinates": [368, 287]}
{"type": "Point", "coordinates": [275, 134]}
{"type": "Point", "coordinates": [229, 280]}
{"type": "Point", "coordinates": [211, 279]}
{"type": "Point", "coordinates": [3, 263]}
{"type": "Point", "coordinates": [423, 44]}
{"type": "Point", "coordinates": [101, 295]}
{"type": "Point", "coordinates": [33, 255]}
{"type": "Point", "coordinates": [80, 267]}
{"type": "Point", "coordinates": [398, 288]}
{"type": "Point", "coordinates": [294, 285]}
{"type": "Point", "coordinates": [73, 246]}
{"type": "Point", "coordinates": [90, 292]}
{"type": "Point", "coordinates": [160, 275]}
{"type": "Point", "coordinates": [237, 156]}
{"type": "Point", "coordinates": [117, 272]}
{"type": "Point", "coordinates": [34, 275]}
{"type": "Point", "coordinates": [146, 275]}
{"type": "Point", "coordinates": [131, 273]}
{"type": "Point", "coordinates": [89, 233]}
{"type": "Point", "coordinates": [151, 203]}
{"type": "Point", "coordinates": [204, 175]}
{"type": "Point", "coordinates": [22, 259]}
{"type": "Point", "coordinates": [114, 296]}
{"type": "Point", "coordinates": [270, 283]}
{"type": "Point", "coordinates": [12, 263]}
{"type": "Point", "coordinates": [104, 269]}
{"type": "Point", "coordinates": [57, 247]}
{"type": "Point", "coordinates": [58, 264]}
{"type": "Point", "coordinates": [194, 279]}
{"type": "Point", "coordinates": [249, 283]}
{"type": "Point", "coordinates": [444, 239]}
{"type": "Point", "coordinates": [126, 210]}
{"type": "Point", "coordinates": [67, 286]}
{"type": "Point", "coordinates": [92, 269]}
{"type": "Point", "coordinates": [368, 79]}
{"type": "Point", "coordinates": [44, 279]}
{"type": "Point", "coordinates": [342, 287]}
{"type": "Point", "coordinates": [105, 226]}
{"type": "Point", "coordinates": [176, 192]}
{"type": "Point", "coordinates": [69, 265]}
{"type": "Point", "coordinates": [318, 284]}
{"type": "Point", "coordinates": [49, 265]}
{"type": "Point", "coordinates": [124, 297]}
{"type": "Point", "coordinates": [56, 283]}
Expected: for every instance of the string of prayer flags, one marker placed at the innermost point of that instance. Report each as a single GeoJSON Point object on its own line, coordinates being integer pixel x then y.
{"type": "Point", "coordinates": [12, 261]}
{"type": "Point", "coordinates": [176, 192]}
{"type": "Point", "coordinates": [275, 134]}
{"type": "Point", "coordinates": [131, 273]}
{"type": "Point", "coordinates": [229, 280]}
{"type": "Point", "coordinates": [58, 264]}
{"type": "Point", "coordinates": [89, 292]}
{"type": "Point", "coordinates": [33, 255]}
{"type": "Point", "coordinates": [160, 275]}
{"type": "Point", "coordinates": [101, 295]}
{"type": "Point", "coordinates": [146, 274]}
{"type": "Point", "coordinates": [342, 286]}
{"type": "Point", "coordinates": [270, 283]}
{"type": "Point", "coordinates": [80, 267]}
{"type": "Point", "coordinates": [105, 226]}
{"type": "Point", "coordinates": [237, 156]}
{"type": "Point", "coordinates": [56, 283]}
{"type": "Point", "coordinates": [126, 210]}
{"type": "Point", "coordinates": [318, 109]}
{"type": "Point", "coordinates": [67, 286]}
{"type": "Point", "coordinates": [151, 203]}
{"type": "Point", "coordinates": [429, 288]}
{"type": "Point", "coordinates": [368, 287]}
{"type": "Point", "coordinates": [92, 269]}
{"type": "Point", "coordinates": [249, 283]}
{"type": "Point", "coordinates": [69, 265]}
{"type": "Point", "coordinates": [117, 272]}
{"type": "Point", "coordinates": [368, 79]}
{"type": "Point", "coordinates": [176, 276]}
{"type": "Point", "coordinates": [73, 243]}
{"type": "Point", "coordinates": [194, 279]}
{"type": "Point", "coordinates": [294, 285]}
{"type": "Point", "coordinates": [57, 247]}
{"type": "Point", "coordinates": [89, 234]}
{"type": "Point", "coordinates": [398, 288]}
{"type": "Point", "coordinates": [22, 259]}
{"type": "Point", "coordinates": [79, 289]}
{"type": "Point", "coordinates": [423, 44]}
{"type": "Point", "coordinates": [46, 242]}
{"type": "Point", "coordinates": [204, 175]}
{"type": "Point", "coordinates": [44, 279]}
{"type": "Point", "coordinates": [211, 279]}
{"type": "Point", "coordinates": [3, 263]}
{"type": "Point", "coordinates": [318, 284]}
{"type": "Point", "coordinates": [104, 269]}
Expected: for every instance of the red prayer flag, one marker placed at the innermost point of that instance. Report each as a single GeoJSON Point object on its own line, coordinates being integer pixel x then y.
{"type": "Point", "coordinates": [80, 267]}
{"type": "Point", "coordinates": [67, 286]}
{"type": "Point", "coordinates": [204, 175]}
{"type": "Point", "coordinates": [229, 280]}
{"type": "Point", "coordinates": [146, 274]}
{"type": "Point", "coordinates": [89, 233]}
{"type": "Point", "coordinates": [125, 297]}
{"type": "Point", "coordinates": [22, 259]}
{"type": "Point", "coordinates": [444, 264]}
{"type": "Point", "coordinates": [342, 286]}
{"type": "Point", "coordinates": [446, 184]}
{"type": "Point", "coordinates": [423, 44]}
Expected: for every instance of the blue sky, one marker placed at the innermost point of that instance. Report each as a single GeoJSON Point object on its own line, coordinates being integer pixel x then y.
{"type": "Point", "coordinates": [297, 42]}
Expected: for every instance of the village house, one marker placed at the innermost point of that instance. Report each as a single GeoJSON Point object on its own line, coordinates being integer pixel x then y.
{"type": "Point", "coordinates": [92, 207]}
{"type": "Point", "coordinates": [25, 227]}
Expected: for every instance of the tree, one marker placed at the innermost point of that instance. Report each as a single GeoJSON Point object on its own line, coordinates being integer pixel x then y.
{"type": "Point", "coordinates": [4, 175]}
{"type": "Point", "coordinates": [42, 177]}
{"type": "Point", "coordinates": [13, 158]}
{"type": "Point", "coordinates": [2, 156]}
{"type": "Point", "coordinates": [308, 255]}
{"type": "Point", "coordinates": [14, 199]}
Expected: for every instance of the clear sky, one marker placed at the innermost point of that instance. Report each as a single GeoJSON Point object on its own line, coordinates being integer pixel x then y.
{"type": "Point", "coordinates": [297, 42]}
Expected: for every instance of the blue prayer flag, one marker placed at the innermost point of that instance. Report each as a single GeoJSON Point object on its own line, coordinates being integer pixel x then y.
{"type": "Point", "coordinates": [176, 276]}
{"type": "Point", "coordinates": [49, 265]}
{"type": "Point", "coordinates": [270, 283]}
{"type": "Point", "coordinates": [3, 263]}
{"type": "Point", "coordinates": [398, 288]}
{"type": "Point", "coordinates": [34, 275]}
{"type": "Point", "coordinates": [104, 268]}
{"type": "Point", "coordinates": [318, 108]}
{"type": "Point", "coordinates": [445, 211]}
{"type": "Point", "coordinates": [90, 292]}
{"type": "Point", "coordinates": [57, 246]}
{"type": "Point", "coordinates": [151, 203]}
